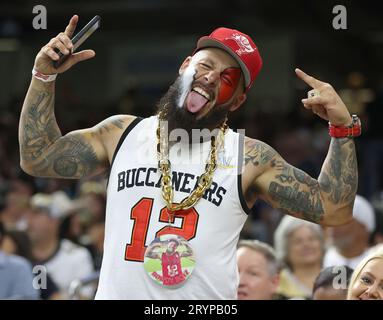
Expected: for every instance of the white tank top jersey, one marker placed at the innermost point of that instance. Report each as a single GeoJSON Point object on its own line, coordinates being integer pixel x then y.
{"type": "Point", "coordinates": [135, 214]}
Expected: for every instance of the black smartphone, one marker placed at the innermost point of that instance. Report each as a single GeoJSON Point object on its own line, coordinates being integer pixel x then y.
{"type": "Point", "coordinates": [78, 39]}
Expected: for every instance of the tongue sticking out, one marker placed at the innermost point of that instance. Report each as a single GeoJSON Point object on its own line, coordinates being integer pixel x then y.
{"type": "Point", "coordinates": [195, 102]}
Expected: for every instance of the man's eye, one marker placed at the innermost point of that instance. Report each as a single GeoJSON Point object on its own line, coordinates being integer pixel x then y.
{"type": "Point", "coordinates": [227, 80]}
{"type": "Point", "coordinates": [205, 66]}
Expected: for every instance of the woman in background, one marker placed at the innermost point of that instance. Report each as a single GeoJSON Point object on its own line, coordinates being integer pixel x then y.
{"type": "Point", "coordinates": [367, 280]}
{"type": "Point", "coordinates": [300, 248]}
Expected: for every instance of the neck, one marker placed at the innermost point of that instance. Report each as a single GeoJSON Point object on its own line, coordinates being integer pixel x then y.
{"type": "Point", "coordinates": [307, 273]}
{"type": "Point", "coordinates": [43, 249]}
{"type": "Point", "coordinates": [355, 250]}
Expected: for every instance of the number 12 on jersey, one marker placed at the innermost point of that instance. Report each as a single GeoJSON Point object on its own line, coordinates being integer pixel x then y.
{"type": "Point", "coordinates": [141, 214]}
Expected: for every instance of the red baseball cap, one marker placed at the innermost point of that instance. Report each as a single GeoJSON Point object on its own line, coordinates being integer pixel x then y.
{"type": "Point", "coordinates": [240, 46]}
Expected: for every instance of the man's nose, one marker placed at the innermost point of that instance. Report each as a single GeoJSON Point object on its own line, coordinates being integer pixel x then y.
{"type": "Point", "coordinates": [211, 77]}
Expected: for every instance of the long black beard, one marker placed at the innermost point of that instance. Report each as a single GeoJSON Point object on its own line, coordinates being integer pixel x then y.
{"type": "Point", "coordinates": [181, 118]}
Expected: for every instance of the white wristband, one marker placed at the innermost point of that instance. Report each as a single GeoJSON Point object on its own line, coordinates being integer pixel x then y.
{"type": "Point", "coordinates": [44, 77]}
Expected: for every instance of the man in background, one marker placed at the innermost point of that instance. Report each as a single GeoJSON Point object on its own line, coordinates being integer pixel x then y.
{"type": "Point", "coordinates": [64, 260]}
{"type": "Point", "coordinates": [258, 271]}
{"type": "Point", "coordinates": [350, 242]}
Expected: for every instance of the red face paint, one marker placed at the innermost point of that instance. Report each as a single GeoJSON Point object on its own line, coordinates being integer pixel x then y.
{"type": "Point", "coordinates": [229, 81]}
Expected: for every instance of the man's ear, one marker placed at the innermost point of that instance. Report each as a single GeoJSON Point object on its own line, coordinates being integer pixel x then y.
{"type": "Point", "coordinates": [238, 102]}
{"type": "Point", "coordinates": [184, 65]}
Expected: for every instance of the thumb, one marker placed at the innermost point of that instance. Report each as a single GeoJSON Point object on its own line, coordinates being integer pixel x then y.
{"type": "Point", "coordinates": [82, 55]}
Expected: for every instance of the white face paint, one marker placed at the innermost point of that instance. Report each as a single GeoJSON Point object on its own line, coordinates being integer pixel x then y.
{"type": "Point", "coordinates": [186, 81]}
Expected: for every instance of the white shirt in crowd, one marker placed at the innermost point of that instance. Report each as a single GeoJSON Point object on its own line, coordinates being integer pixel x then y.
{"type": "Point", "coordinates": [70, 262]}
{"type": "Point", "coordinates": [334, 258]}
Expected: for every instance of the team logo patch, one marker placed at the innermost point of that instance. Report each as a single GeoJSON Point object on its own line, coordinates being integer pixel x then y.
{"type": "Point", "coordinates": [243, 43]}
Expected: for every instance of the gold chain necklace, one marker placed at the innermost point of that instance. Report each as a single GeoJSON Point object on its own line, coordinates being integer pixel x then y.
{"type": "Point", "coordinates": [204, 181]}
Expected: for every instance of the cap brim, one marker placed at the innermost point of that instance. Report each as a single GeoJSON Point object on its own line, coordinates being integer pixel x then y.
{"type": "Point", "coordinates": [206, 42]}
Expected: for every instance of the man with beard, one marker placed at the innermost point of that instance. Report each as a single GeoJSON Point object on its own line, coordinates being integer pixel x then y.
{"type": "Point", "coordinates": [201, 193]}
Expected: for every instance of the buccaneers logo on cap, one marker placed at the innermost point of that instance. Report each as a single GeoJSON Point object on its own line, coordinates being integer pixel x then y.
{"type": "Point", "coordinates": [243, 43]}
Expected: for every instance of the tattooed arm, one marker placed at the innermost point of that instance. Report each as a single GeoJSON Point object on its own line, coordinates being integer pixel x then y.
{"type": "Point", "coordinates": [45, 152]}
{"type": "Point", "coordinates": [327, 200]}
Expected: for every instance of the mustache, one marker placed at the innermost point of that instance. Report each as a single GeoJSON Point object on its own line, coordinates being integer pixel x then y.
{"type": "Point", "coordinates": [180, 117]}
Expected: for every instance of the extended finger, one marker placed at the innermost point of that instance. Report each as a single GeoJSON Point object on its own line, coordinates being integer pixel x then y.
{"type": "Point", "coordinates": [82, 55]}
{"type": "Point", "coordinates": [310, 80]}
{"type": "Point", "coordinates": [71, 26]}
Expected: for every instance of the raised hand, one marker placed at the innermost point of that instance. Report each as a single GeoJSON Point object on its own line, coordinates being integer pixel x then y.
{"type": "Point", "coordinates": [325, 102]}
{"type": "Point", "coordinates": [46, 56]}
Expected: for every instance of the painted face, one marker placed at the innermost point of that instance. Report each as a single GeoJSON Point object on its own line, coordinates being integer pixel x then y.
{"type": "Point", "coordinates": [211, 78]}
{"type": "Point", "coordinates": [229, 82]}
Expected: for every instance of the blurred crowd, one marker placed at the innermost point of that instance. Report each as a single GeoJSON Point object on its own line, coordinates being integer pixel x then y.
{"type": "Point", "coordinates": [59, 224]}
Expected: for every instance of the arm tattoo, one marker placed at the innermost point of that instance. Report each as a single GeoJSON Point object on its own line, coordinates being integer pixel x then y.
{"type": "Point", "coordinates": [38, 125]}
{"type": "Point", "coordinates": [45, 152]}
{"type": "Point", "coordinates": [290, 189]}
{"type": "Point", "coordinates": [108, 126]}
{"type": "Point", "coordinates": [70, 157]}
{"type": "Point", "coordinates": [296, 192]}
{"type": "Point", "coordinates": [258, 153]}
{"type": "Point", "coordinates": [301, 203]}
{"type": "Point", "coordinates": [339, 175]}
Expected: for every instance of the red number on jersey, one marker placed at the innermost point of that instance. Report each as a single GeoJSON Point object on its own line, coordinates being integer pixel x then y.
{"type": "Point", "coordinates": [141, 212]}
{"type": "Point", "coordinates": [189, 223]}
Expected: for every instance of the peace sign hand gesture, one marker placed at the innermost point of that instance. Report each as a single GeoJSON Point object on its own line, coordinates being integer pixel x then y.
{"type": "Point", "coordinates": [46, 56]}
{"type": "Point", "coordinates": [324, 101]}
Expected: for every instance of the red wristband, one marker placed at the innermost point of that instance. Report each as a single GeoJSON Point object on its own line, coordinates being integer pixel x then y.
{"type": "Point", "coordinates": [43, 77]}
{"type": "Point", "coordinates": [351, 131]}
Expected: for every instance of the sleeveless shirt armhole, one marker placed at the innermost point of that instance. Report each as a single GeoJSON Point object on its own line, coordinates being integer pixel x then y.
{"type": "Point", "coordinates": [129, 128]}
{"type": "Point", "coordinates": [244, 206]}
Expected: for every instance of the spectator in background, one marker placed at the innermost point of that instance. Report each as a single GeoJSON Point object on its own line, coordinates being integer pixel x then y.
{"type": "Point", "coordinates": [16, 206]}
{"type": "Point", "coordinates": [258, 271]}
{"type": "Point", "coordinates": [93, 200]}
{"type": "Point", "coordinates": [377, 203]}
{"type": "Point", "coordinates": [18, 243]}
{"type": "Point", "coordinates": [332, 283]}
{"type": "Point", "coordinates": [16, 278]}
{"type": "Point", "coordinates": [356, 96]}
{"type": "Point", "coordinates": [71, 228]}
{"type": "Point", "coordinates": [371, 147]}
{"type": "Point", "coordinates": [300, 248]}
{"type": "Point", "coordinates": [350, 242]}
{"type": "Point", "coordinates": [96, 233]}
{"type": "Point", "coordinates": [367, 279]}
{"type": "Point", "coordinates": [64, 260]}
